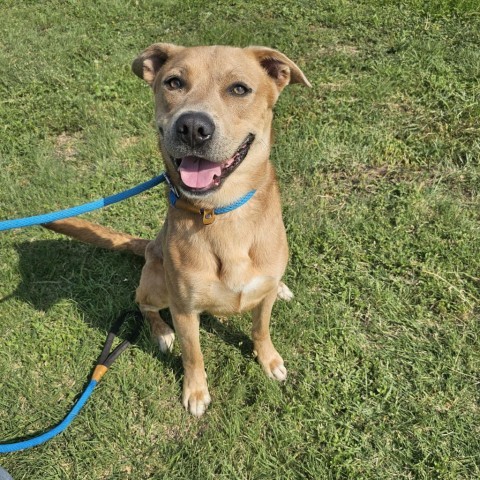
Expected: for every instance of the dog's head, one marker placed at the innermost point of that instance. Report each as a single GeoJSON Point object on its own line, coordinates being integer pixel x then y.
{"type": "Point", "coordinates": [214, 110]}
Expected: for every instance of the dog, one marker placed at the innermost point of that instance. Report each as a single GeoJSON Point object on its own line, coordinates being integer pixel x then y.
{"type": "Point", "coordinates": [213, 111]}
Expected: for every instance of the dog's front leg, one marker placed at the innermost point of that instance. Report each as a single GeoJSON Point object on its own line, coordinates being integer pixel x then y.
{"type": "Point", "coordinates": [267, 355]}
{"type": "Point", "coordinates": [195, 396]}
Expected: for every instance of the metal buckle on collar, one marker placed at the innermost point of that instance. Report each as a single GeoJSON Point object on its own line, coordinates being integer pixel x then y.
{"type": "Point", "coordinates": [208, 215]}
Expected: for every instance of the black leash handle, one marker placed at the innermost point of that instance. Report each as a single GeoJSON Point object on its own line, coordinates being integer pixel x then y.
{"type": "Point", "coordinates": [106, 358]}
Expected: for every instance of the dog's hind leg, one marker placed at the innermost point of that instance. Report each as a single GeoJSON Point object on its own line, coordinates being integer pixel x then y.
{"type": "Point", "coordinates": [161, 332]}
{"type": "Point", "coordinates": [152, 296]}
{"type": "Point", "coordinates": [267, 355]}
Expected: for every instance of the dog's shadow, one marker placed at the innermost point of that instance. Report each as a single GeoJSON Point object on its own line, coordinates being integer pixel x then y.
{"type": "Point", "coordinates": [100, 283]}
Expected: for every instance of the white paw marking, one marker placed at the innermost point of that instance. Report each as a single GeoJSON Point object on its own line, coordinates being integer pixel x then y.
{"type": "Point", "coordinates": [283, 292]}
{"type": "Point", "coordinates": [165, 341]}
{"type": "Point", "coordinates": [279, 373]}
{"type": "Point", "coordinates": [197, 402]}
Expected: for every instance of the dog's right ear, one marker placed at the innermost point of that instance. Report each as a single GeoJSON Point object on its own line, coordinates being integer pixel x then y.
{"type": "Point", "coordinates": [149, 62]}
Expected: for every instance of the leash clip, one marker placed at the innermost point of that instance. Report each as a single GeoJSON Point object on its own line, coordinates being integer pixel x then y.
{"type": "Point", "coordinates": [171, 186]}
{"type": "Point", "coordinates": [208, 215]}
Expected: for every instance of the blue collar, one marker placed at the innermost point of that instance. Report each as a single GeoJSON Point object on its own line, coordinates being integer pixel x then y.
{"type": "Point", "coordinates": [208, 214]}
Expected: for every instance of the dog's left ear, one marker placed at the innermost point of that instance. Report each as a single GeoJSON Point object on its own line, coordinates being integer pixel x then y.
{"type": "Point", "coordinates": [279, 67]}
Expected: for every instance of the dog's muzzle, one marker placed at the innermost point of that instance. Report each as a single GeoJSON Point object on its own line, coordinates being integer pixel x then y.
{"type": "Point", "coordinates": [200, 175]}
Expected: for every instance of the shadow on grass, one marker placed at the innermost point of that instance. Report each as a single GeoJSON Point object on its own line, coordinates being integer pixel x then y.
{"type": "Point", "coordinates": [100, 283]}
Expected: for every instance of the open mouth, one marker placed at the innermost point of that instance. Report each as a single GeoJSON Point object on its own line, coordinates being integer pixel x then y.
{"type": "Point", "coordinates": [200, 175]}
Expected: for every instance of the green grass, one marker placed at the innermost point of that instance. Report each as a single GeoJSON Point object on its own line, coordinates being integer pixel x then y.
{"type": "Point", "coordinates": [379, 169]}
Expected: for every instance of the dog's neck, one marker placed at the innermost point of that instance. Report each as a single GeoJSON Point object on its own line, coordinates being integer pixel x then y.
{"type": "Point", "coordinates": [208, 215]}
{"type": "Point", "coordinates": [227, 199]}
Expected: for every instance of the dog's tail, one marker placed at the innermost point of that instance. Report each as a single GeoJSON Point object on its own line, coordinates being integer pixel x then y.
{"type": "Point", "coordinates": [95, 234]}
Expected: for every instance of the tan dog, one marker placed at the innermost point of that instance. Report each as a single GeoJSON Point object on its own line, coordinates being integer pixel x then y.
{"type": "Point", "coordinates": [213, 113]}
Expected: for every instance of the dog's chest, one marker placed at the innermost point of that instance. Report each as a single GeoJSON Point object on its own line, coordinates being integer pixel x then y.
{"type": "Point", "coordinates": [225, 256]}
{"type": "Point", "coordinates": [236, 272]}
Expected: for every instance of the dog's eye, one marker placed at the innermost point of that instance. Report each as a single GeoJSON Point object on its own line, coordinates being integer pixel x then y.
{"type": "Point", "coordinates": [239, 89]}
{"type": "Point", "coordinates": [174, 83]}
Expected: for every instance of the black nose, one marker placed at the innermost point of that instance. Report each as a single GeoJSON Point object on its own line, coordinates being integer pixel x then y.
{"type": "Point", "coordinates": [194, 128]}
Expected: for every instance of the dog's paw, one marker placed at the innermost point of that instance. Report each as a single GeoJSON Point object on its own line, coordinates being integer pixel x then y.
{"type": "Point", "coordinates": [161, 332]}
{"type": "Point", "coordinates": [275, 369]}
{"type": "Point", "coordinates": [279, 373]}
{"type": "Point", "coordinates": [284, 293]}
{"type": "Point", "coordinates": [272, 364]}
{"type": "Point", "coordinates": [165, 341]}
{"type": "Point", "coordinates": [195, 397]}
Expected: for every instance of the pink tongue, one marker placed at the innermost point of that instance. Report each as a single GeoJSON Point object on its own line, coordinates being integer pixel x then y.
{"type": "Point", "coordinates": [197, 172]}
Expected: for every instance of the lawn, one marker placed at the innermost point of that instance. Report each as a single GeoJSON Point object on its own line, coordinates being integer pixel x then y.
{"type": "Point", "coordinates": [380, 177]}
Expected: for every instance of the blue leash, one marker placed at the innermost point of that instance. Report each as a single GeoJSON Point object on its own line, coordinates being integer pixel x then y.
{"type": "Point", "coordinates": [33, 442]}
{"type": "Point", "coordinates": [79, 209]}
{"type": "Point", "coordinates": [208, 215]}
{"type": "Point", "coordinates": [104, 362]}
